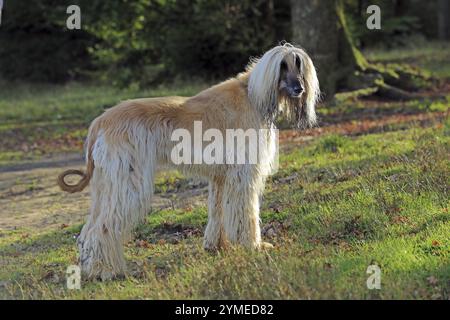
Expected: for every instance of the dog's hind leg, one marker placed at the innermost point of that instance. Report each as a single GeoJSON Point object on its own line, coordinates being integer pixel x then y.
{"type": "Point", "coordinates": [121, 189]}
{"type": "Point", "coordinates": [214, 232]}
{"type": "Point", "coordinates": [241, 207]}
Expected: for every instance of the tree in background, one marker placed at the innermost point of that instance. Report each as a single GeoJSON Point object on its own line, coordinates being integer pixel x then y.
{"type": "Point", "coordinates": [324, 31]}
{"type": "Point", "coordinates": [314, 28]}
{"type": "Point", "coordinates": [146, 42]}
{"type": "Point", "coordinates": [35, 44]}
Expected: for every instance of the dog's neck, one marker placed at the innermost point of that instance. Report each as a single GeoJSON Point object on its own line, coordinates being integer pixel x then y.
{"type": "Point", "coordinates": [243, 78]}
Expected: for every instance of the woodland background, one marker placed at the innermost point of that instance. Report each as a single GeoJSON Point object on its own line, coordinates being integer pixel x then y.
{"type": "Point", "coordinates": [146, 42]}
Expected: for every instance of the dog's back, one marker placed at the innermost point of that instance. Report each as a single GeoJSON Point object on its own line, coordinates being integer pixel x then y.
{"type": "Point", "coordinates": [129, 122]}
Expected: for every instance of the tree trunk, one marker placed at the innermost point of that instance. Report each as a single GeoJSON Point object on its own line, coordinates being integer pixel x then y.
{"type": "Point", "coordinates": [321, 28]}
{"type": "Point", "coordinates": [314, 28]}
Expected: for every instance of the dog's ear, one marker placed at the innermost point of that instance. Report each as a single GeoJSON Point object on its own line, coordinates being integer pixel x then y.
{"type": "Point", "coordinates": [312, 89]}
{"type": "Point", "coordinates": [263, 83]}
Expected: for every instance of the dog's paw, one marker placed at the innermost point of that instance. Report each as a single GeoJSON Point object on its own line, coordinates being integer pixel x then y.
{"type": "Point", "coordinates": [211, 249]}
{"type": "Point", "coordinates": [216, 249]}
{"type": "Point", "coordinates": [265, 245]}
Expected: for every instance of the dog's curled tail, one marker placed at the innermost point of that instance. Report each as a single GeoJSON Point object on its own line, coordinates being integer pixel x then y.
{"type": "Point", "coordinates": [85, 177]}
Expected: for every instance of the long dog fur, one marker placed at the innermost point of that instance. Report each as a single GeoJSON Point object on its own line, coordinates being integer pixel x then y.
{"type": "Point", "coordinates": [127, 143]}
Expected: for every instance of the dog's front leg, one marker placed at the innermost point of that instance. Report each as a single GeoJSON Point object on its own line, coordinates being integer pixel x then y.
{"type": "Point", "coordinates": [241, 208]}
{"type": "Point", "coordinates": [214, 232]}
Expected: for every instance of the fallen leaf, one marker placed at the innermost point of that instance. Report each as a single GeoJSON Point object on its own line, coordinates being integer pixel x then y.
{"type": "Point", "coordinates": [142, 244]}
{"type": "Point", "coordinates": [435, 243]}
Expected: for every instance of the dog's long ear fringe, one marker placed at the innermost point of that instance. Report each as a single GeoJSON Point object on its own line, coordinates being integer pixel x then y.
{"type": "Point", "coordinates": [263, 82]}
{"type": "Point", "coordinates": [86, 177]}
{"type": "Point", "coordinates": [312, 89]}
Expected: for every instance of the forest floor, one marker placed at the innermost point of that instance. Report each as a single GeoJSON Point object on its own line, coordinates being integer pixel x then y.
{"type": "Point", "coordinates": [369, 186]}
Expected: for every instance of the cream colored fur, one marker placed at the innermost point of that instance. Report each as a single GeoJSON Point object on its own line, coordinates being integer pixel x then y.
{"type": "Point", "coordinates": [129, 142]}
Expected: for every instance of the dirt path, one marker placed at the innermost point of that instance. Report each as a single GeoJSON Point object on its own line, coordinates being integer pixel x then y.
{"type": "Point", "coordinates": [30, 198]}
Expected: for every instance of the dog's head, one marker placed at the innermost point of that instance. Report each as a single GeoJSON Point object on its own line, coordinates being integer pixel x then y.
{"type": "Point", "coordinates": [284, 81]}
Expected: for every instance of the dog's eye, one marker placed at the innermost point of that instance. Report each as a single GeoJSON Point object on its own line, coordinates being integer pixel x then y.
{"type": "Point", "coordinates": [297, 62]}
{"type": "Point", "coordinates": [283, 66]}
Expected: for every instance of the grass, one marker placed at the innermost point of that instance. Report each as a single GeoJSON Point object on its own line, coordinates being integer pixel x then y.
{"type": "Point", "coordinates": [351, 202]}
{"type": "Point", "coordinates": [433, 57]}
{"type": "Point", "coordinates": [338, 204]}
{"type": "Point", "coordinates": [24, 103]}
{"type": "Point", "coordinates": [41, 120]}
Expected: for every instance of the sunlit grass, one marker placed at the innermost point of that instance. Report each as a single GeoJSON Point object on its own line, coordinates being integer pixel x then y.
{"type": "Point", "coordinates": [23, 103]}
{"type": "Point", "coordinates": [337, 205]}
{"type": "Point", "coordinates": [352, 202]}
{"type": "Point", "coordinates": [433, 57]}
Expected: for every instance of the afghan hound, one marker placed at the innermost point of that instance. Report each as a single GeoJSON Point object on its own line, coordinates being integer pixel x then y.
{"type": "Point", "coordinates": [129, 142]}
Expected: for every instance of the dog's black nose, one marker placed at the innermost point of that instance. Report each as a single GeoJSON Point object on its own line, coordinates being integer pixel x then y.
{"type": "Point", "coordinates": [297, 90]}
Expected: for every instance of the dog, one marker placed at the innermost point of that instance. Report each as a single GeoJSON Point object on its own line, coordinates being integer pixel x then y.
{"type": "Point", "coordinates": [130, 141]}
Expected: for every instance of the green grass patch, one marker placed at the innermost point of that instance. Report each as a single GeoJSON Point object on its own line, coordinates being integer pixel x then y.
{"type": "Point", "coordinates": [337, 205]}
{"type": "Point", "coordinates": [349, 202]}
{"type": "Point", "coordinates": [432, 57]}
